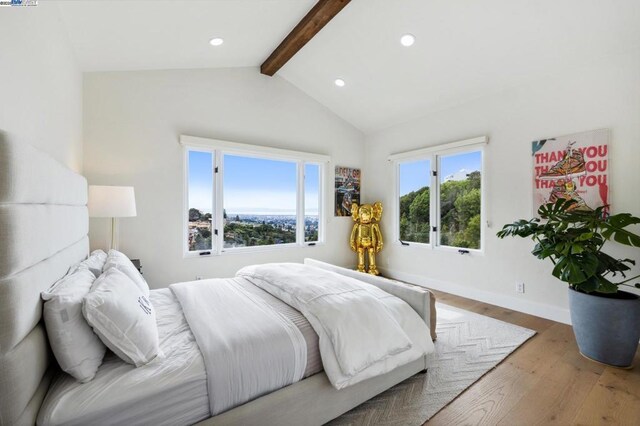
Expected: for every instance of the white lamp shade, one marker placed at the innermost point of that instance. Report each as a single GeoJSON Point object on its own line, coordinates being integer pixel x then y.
{"type": "Point", "coordinates": [111, 201]}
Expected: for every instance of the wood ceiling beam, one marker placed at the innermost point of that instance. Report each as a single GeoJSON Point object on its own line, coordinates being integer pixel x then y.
{"type": "Point", "coordinates": [307, 28]}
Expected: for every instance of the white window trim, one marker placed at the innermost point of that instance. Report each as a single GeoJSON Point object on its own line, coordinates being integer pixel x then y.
{"type": "Point", "coordinates": [252, 150]}
{"type": "Point", "coordinates": [185, 203]}
{"type": "Point", "coordinates": [219, 148]}
{"type": "Point", "coordinates": [434, 155]}
{"type": "Point", "coordinates": [428, 151]}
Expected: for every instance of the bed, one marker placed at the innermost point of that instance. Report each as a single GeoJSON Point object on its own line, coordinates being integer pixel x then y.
{"type": "Point", "coordinates": [44, 226]}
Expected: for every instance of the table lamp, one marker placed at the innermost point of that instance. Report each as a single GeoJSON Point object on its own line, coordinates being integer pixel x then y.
{"type": "Point", "coordinates": [113, 202]}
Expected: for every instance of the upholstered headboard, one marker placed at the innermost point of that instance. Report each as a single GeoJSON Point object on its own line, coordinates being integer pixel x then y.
{"type": "Point", "coordinates": [43, 231]}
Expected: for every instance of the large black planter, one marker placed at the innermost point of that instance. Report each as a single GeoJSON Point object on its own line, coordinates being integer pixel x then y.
{"type": "Point", "coordinates": [607, 328]}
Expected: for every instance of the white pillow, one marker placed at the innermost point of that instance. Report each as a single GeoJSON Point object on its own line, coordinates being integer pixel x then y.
{"type": "Point", "coordinates": [95, 262]}
{"type": "Point", "coordinates": [77, 349]}
{"type": "Point", "coordinates": [123, 317]}
{"type": "Point", "coordinates": [120, 261]}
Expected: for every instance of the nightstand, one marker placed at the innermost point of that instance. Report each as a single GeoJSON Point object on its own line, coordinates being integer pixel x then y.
{"type": "Point", "coordinates": [137, 264]}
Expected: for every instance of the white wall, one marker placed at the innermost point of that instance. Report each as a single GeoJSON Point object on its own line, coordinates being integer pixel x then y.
{"type": "Point", "coordinates": [605, 94]}
{"type": "Point", "coordinates": [132, 122]}
{"type": "Point", "coordinates": [40, 83]}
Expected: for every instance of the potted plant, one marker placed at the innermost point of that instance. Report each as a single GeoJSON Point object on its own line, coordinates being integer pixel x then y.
{"type": "Point", "coordinates": [606, 320]}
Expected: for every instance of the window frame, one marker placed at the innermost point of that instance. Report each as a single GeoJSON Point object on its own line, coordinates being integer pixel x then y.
{"type": "Point", "coordinates": [396, 206]}
{"type": "Point", "coordinates": [185, 209]}
{"type": "Point", "coordinates": [219, 149]}
{"type": "Point", "coordinates": [434, 155]}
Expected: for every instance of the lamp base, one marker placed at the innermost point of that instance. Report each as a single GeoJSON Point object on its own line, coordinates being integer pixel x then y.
{"type": "Point", "coordinates": [113, 245]}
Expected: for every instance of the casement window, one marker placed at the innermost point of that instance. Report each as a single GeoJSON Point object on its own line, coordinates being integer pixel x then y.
{"type": "Point", "coordinates": [243, 197]}
{"type": "Point", "coordinates": [439, 196]}
{"type": "Point", "coordinates": [200, 200]}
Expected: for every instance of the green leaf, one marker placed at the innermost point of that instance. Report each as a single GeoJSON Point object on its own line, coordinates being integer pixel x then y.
{"type": "Point", "coordinates": [557, 270]}
{"type": "Point", "coordinates": [561, 248]}
{"type": "Point", "coordinates": [588, 286]}
{"type": "Point", "coordinates": [614, 228]}
{"type": "Point", "coordinates": [520, 228]}
{"type": "Point", "coordinates": [537, 250]}
{"type": "Point", "coordinates": [576, 249]}
{"type": "Point", "coordinates": [606, 286]}
{"type": "Point", "coordinates": [608, 264]}
{"type": "Point", "coordinates": [576, 269]}
{"type": "Point", "coordinates": [585, 236]}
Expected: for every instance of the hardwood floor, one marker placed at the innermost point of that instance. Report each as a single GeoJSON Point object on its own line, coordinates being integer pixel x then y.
{"type": "Point", "coordinates": [545, 382]}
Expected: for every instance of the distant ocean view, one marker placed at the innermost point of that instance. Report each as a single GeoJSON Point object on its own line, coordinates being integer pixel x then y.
{"type": "Point", "coordinates": [251, 215]}
{"type": "Point", "coordinates": [262, 216]}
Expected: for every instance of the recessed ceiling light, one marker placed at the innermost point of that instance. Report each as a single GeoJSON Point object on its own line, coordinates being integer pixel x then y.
{"type": "Point", "coordinates": [407, 40]}
{"type": "Point", "coordinates": [339, 82]}
{"type": "Point", "coordinates": [216, 41]}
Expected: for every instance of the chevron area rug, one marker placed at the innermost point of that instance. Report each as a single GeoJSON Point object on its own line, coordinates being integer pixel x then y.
{"type": "Point", "coordinates": [468, 346]}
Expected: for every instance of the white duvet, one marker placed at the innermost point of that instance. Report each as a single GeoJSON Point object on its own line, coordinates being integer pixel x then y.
{"type": "Point", "coordinates": [249, 349]}
{"type": "Point", "coordinates": [364, 331]}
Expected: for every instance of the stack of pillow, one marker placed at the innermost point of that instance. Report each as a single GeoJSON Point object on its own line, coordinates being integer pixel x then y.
{"type": "Point", "coordinates": [103, 302]}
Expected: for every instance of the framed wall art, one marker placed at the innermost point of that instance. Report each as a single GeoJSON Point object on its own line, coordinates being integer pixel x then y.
{"type": "Point", "coordinates": [347, 190]}
{"type": "Point", "coordinates": [573, 167]}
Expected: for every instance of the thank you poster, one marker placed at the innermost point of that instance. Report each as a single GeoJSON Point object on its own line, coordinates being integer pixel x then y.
{"type": "Point", "coordinates": [572, 167]}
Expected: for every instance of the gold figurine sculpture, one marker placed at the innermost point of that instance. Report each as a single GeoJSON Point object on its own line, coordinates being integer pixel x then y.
{"type": "Point", "coordinates": [366, 235]}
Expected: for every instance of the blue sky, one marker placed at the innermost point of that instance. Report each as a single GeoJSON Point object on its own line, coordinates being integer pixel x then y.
{"type": "Point", "coordinates": [415, 175]}
{"type": "Point", "coordinates": [201, 180]}
{"type": "Point", "coordinates": [260, 186]}
{"type": "Point", "coordinates": [252, 185]}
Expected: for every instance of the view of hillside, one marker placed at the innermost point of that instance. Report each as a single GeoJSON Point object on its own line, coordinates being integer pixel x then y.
{"type": "Point", "coordinates": [199, 230]}
{"type": "Point", "coordinates": [248, 230]}
{"type": "Point", "coordinates": [459, 209]}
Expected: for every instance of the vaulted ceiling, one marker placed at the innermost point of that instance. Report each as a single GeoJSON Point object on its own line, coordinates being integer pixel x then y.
{"type": "Point", "coordinates": [110, 35]}
{"type": "Point", "coordinates": [464, 49]}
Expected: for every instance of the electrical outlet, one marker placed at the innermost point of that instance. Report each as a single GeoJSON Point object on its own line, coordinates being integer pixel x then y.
{"type": "Point", "coordinates": [519, 287]}
{"type": "Point", "coordinates": [198, 277]}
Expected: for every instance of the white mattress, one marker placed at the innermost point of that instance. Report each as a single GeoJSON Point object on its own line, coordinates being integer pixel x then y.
{"type": "Point", "coordinates": [167, 391]}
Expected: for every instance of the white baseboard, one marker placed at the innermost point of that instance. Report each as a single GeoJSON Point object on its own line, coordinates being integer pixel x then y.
{"type": "Point", "coordinates": [553, 313]}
